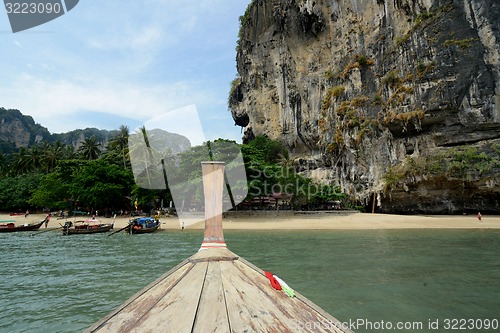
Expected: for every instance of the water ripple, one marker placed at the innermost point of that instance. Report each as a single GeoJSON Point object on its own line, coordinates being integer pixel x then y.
{"type": "Point", "coordinates": [54, 283]}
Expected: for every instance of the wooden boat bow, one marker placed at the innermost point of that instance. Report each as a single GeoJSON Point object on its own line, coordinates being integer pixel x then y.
{"type": "Point", "coordinates": [215, 290]}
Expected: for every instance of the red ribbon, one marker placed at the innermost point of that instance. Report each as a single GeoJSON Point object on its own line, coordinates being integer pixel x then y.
{"type": "Point", "coordinates": [276, 285]}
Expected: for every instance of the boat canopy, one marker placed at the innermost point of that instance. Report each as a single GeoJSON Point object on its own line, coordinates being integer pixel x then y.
{"type": "Point", "coordinates": [144, 220]}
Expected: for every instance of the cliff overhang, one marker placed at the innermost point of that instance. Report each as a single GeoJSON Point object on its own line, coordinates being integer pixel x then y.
{"type": "Point", "coordinates": [360, 88]}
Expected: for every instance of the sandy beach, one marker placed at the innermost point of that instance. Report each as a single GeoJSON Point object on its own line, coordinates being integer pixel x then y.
{"type": "Point", "coordinates": [290, 221]}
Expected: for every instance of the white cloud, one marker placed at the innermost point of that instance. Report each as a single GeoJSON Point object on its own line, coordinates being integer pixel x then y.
{"type": "Point", "coordinates": [184, 121]}
{"type": "Point", "coordinates": [129, 59]}
{"type": "Point", "coordinates": [129, 39]}
{"type": "Point", "coordinates": [48, 101]}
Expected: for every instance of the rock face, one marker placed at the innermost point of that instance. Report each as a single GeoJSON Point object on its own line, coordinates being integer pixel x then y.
{"type": "Point", "coordinates": [21, 131]}
{"type": "Point", "coordinates": [18, 130]}
{"type": "Point", "coordinates": [368, 93]}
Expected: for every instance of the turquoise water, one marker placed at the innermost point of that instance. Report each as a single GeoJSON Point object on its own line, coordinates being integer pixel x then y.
{"type": "Point", "coordinates": [55, 283]}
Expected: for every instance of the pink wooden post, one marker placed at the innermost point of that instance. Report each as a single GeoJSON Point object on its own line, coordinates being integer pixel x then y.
{"type": "Point", "coordinates": [213, 186]}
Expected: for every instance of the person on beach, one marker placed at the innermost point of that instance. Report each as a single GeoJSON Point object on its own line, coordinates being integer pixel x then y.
{"type": "Point", "coordinates": [27, 213]}
{"type": "Point", "coordinates": [47, 220]}
{"type": "Point", "coordinates": [479, 216]}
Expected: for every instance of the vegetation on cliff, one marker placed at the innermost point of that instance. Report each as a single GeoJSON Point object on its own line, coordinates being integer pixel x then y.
{"type": "Point", "coordinates": [463, 163]}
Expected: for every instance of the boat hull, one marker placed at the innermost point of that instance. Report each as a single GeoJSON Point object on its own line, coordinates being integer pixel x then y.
{"type": "Point", "coordinates": [84, 231]}
{"type": "Point", "coordinates": [133, 231]}
{"type": "Point", "coordinates": [30, 227]}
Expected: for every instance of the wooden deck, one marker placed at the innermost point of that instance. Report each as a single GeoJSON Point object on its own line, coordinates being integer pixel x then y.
{"type": "Point", "coordinates": [216, 291]}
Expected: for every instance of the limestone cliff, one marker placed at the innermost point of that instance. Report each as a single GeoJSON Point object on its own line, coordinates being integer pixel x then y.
{"type": "Point", "coordinates": [18, 130]}
{"type": "Point", "coordinates": [397, 100]}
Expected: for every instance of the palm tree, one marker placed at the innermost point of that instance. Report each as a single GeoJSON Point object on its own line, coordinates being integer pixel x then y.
{"type": "Point", "coordinates": [34, 158]}
{"type": "Point", "coordinates": [51, 155]}
{"type": "Point", "coordinates": [285, 161]}
{"type": "Point", "coordinates": [4, 164]}
{"type": "Point", "coordinates": [144, 158]}
{"type": "Point", "coordinates": [90, 149]}
{"type": "Point", "coordinates": [19, 161]}
{"type": "Point", "coordinates": [120, 143]}
{"type": "Point", "coordinates": [26, 160]}
{"type": "Point", "coordinates": [69, 152]}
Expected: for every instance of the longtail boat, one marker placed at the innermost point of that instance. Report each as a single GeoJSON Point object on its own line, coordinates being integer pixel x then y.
{"type": "Point", "coordinates": [215, 290]}
{"type": "Point", "coordinates": [143, 225]}
{"type": "Point", "coordinates": [10, 226]}
{"type": "Point", "coordinates": [91, 226]}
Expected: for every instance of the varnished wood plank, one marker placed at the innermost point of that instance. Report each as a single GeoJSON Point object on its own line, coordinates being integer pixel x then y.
{"type": "Point", "coordinates": [125, 317]}
{"type": "Point", "coordinates": [254, 306]}
{"type": "Point", "coordinates": [213, 254]}
{"type": "Point", "coordinates": [309, 315]}
{"type": "Point", "coordinates": [250, 308]}
{"type": "Point", "coordinates": [212, 312]}
{"type": "Point", "coordinates": [322, 313]}
{"type": "Point", "coordinates": [176, 311]}
{"type": "Point", "coordinates": [301, 316]}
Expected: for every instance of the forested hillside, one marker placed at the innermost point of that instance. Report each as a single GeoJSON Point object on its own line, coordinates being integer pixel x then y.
{"type": "Point", "coordinates": [99, 176]}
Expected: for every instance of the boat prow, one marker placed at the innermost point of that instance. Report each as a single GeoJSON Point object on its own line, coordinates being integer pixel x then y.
{"type": "Point", "coordinates": [143, 225]}
{"type": "Point", "coordinates": [86, 227]}
{"type": "Point", "coordinates": [9, 226]}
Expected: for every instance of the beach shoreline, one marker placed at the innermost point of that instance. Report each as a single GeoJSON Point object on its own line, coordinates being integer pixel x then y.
{"type": "Point", "coordinates": [290, 221]}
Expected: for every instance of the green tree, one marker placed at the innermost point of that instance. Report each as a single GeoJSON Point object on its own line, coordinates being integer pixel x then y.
{"type": "Point", "coordinates": [119, 144]}
{"type": "Point", "coordinates": [89, 150]}
{"type": "Point", "coordinates": [69, 152]}
{"type": "Point", "coordinates": [52, 192]}
{"type": "Point", "coordinates": [145, 160]}
{"type": "Point", "coordinates": [100, 185]}
{"type": "Point", "coordinates": [16, 191]}
{"type": "Point", "coordinates": [270, 170]}
{"type": "Point", "coordinates": [4, 164]}
{"type": "Point", "coordinates": [324, 193]}
{"type": "Point", "coordinates": [26, 160]}
{"type": "Point", "coordinates": [264, 175]}
{"type": "Point", "coordinates": [263, 148]}
{"type": "Point", "coordinates": [150, 199]}
{"type": "Point", "coordinates": [51, 155]}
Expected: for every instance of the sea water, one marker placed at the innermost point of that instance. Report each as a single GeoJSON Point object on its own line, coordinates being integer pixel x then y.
{"type": "Point", "coordinates": [371, 280]}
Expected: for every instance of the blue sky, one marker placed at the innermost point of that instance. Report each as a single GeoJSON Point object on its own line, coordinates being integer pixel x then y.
{"type": "Point", "coordinates": [113, 62]}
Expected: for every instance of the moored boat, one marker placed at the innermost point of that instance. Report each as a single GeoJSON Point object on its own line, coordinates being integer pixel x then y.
{"type": "Point", "coordinates": [16, 214]}
{"type": "Point", "coordinates": [91, 226]}
{"type": "Point", "coordinates": [143, 225]}
{"type": "Point", "coordinates": [10, 226]}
